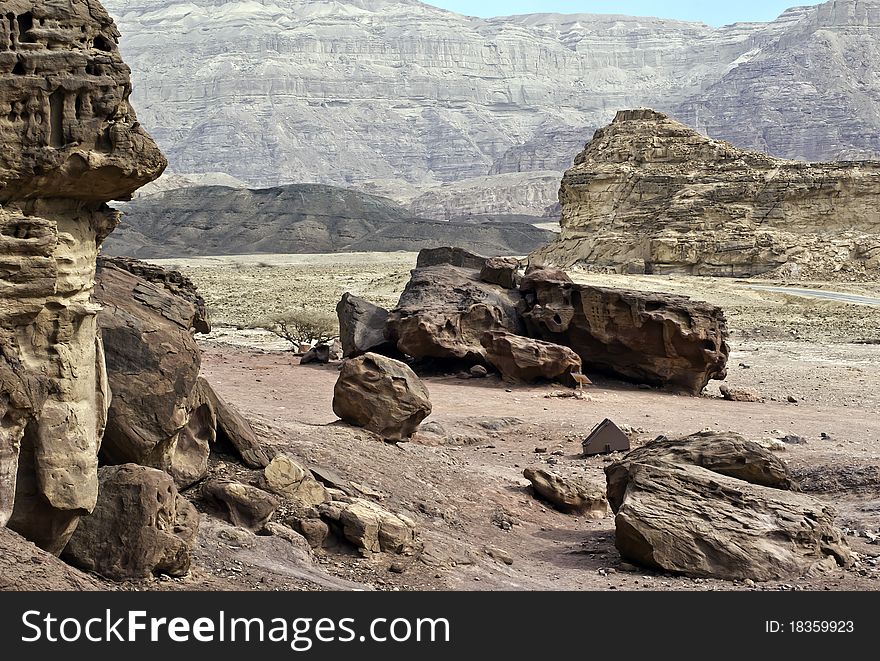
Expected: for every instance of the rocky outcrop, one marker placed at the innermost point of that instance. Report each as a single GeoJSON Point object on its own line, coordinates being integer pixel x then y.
{"type": "Point", "coordinates": [676, 512]}
{"type": "Point", "coordinates": [650, 195]}
{"type": "Point", "coordinates": [25, 567]}
{"type": "Point", "coordinates": [298, 218]}
{"type": "Point", "coordinates": [522, 359]}
{"type": "Point", "coordinates": [568, 494]}
{"type": "Point", "coordinates": [70, 143]}
{"type": "Point", "coordinates": [173, 281]}
{"type": "Point", "coordinates": [382, 395]}
{"type": "Point", "coordinates": [369, 527]}
{"type": "Point", "coordinates": [659, 339]}
{"type": "Point", "coordinates": [501, 271]}
{"type": "Point", "coordinates": [361, 326]}
{"type": "Point", "coordinates": [157, 417]}
{"type": "Point", "coordinates": [141, 526]}
{"type": "Point", "coordinates": [449, 256]}
{"type": "Point", "coordinates": [444, 311]}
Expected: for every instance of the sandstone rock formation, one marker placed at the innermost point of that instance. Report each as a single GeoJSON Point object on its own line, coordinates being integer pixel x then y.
{"type": "Point", "coordinates": [157, 417]}
{"type": "Point", "coordinates": [657, 339]}
{"type": "Point", "coordinates": [173, 281]}
{"type": "Point", "coordinates": [382, 395]}
{"type": "Point", "coordinates": [70, 143]}
{"type": "Point", "coordinates": [444, 311]}
{"type": "Point", "coordinates": [241, 504]}
{"type": "Point", "coordinates": [522, 359]}
{"type": "Point", "coordinates": [501, 271]}
{"type": "Point", "coordinates": [676, 513]}
{"type": "Point", "coordinates": [140, 526]}
{"type": "Point", "coordinates": [300, 218]}
{"type": "Point", "coordinates": [27, 568]}
{"type": "Point", "coordinates": [568, 494]}
{"type": "Point", "coordinates": [291, 481]}
{"type": "Point", "coordinates": [361, 326]}
{"type": "Point", "coordinates": [650, 195]}
{"type": "Point", "coordinates": [370, 527]}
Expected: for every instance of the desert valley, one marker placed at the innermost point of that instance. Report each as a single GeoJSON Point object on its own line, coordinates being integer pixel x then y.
{"type": "Point", "coordinates": [370, 295]}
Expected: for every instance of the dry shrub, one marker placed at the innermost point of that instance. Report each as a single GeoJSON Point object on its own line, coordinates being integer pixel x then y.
{"type": "Point", "coordinates": [302, 326]}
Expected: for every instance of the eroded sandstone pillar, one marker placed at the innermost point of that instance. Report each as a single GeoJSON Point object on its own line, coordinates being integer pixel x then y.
{"type": "Point", "coordinates": [69, 143]}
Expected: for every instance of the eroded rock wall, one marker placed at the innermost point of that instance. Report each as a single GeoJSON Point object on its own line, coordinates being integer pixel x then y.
{"type": "Point", "coordinates": [70, 143]}
{"type": "Point", "coordinates": [650, 195]}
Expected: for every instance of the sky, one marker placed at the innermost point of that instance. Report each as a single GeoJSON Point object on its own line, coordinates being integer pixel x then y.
{"type": "Point", "coordinates": [712, 12]}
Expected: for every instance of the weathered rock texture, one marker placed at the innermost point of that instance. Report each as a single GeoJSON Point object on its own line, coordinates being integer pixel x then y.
{"type": "Point", "coordinates": [361, 326]}
{"type": "Point", "coordinates": [140, 526]}
{"type": "Point", "coordinates": [25, 567]}
{"type": "Point", "coordinates": [370, 527]}
{"type": "Point", "coordinates": [444, 311]}
{"type": "Point", "coordinates": [658, 339]}
{"type": "Point", "coordinates": [289, 480]}
{"type": "Point", "coordinates": [241, 504]}
{"type": "Point", "coordinates": [70, 143]}
{"type": "Point", "coordinates": [524, 359]}
{"type": "Point", "coordinates": [680, 507]}
{"type": "Point", "coordinates": [650, 195]}
{"type": "Point", "coordinates": [382, 395]}
{"type": "Point", "coordinates": [157, 417]}
{"type": "Point", "coordinates": [568, 494]}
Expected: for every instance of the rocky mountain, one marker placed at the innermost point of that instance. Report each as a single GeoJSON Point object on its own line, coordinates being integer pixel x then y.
{"type": "Point", "coordinates": [400, 93]}
{"type": "Point", "coordinates": [651, 195]}
{"type": "Point", "coordinates": [303, 218]}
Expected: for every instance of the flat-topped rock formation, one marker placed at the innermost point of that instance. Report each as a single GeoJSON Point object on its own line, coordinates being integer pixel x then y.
{"type": "Point", "coordinates": [650, 195]}
{"type": "Point", "coordinates": [70, 143]}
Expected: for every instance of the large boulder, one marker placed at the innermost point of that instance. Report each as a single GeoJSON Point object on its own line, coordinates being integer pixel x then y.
{"type": "Point", "coordinates": [727, 453]}
{"type": "Point", "coordinates": [444, 311]}
{"type": "Point", "coordinates": [361, 326]}
{"type": "Point", "coordinates": [141, 526]}
{"type": "Point", "coordinates": [568, 494]}
{"type": "Point", "coordinates": [524, 359]}
{"type": "Point", "coordinates": [658, 339]}
{"type": "Point", "coordinates": [156, 415]}
{"type": "Point", "coordinates": [382, 395]}
{"type": "Point", "coordinates": [676, 513]}
{"type": "Point", "coordinates": [70, 142]}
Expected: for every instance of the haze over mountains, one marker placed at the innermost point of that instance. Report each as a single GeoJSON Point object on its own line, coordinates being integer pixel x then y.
{"type": "Point", "coordinates": [395, 95]}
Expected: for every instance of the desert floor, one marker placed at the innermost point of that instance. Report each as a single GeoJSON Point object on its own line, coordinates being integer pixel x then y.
{"type": "Point", "coordinates": [461, 479]}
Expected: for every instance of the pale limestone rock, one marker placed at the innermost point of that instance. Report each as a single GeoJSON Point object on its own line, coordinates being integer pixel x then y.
{"type": "Point", "coordinates": [650, 195]}
{"type": "Point", "coordinates": [285, 477]}
{"type": "Point", "coordinates": [70, 143]}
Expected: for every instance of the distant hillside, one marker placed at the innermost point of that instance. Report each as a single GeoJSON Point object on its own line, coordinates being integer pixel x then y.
{"type": "Point", "coordinates": [303, 218]}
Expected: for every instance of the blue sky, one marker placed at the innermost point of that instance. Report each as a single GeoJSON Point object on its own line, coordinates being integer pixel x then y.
{"type": "Point", "coordinates": [713, 12]}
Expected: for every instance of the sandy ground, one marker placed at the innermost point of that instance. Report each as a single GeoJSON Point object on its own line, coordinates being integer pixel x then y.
{"type": "Point", "coordinates": [461, 480]}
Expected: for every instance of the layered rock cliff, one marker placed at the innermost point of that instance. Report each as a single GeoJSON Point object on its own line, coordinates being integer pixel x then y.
{"type": "Point", "coordinates": [71, 143]}
{"type": "Point", "coordinates": [650, 195]}
{"type": "Point", "coordinates": [289, 91]}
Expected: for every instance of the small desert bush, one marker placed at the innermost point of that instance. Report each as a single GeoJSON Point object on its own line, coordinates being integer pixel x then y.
{"type": "Point", "coordinates": [302, 326]}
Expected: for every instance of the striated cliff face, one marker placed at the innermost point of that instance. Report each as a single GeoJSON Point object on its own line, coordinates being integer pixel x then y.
{"type": "Point", "coordinates": [70, 143]}
{"type": "Point", "coordinates": [281, 91]}
{"type": "Point", "coordinates": [288, 91]}
{"type": "Point", "coordinates": [650, 195]}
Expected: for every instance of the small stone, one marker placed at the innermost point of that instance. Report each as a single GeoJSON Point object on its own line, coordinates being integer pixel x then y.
{"type": "Point", "coordinates": [540, 450]}
{"type": "Point", "coordinates": [500, 555]}
{"type": "Point", "coordinates": [793, 439]}
{"type": "Point", "coordinates": [478, 371]}
{"type": "Point", "coordinates": [397, 568]}
{"type": "Point", "coordinates": [792, 399]}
